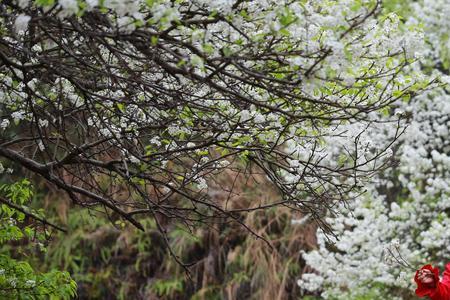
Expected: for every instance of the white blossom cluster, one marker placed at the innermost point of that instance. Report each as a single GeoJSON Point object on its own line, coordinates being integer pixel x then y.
{"type": "Point", "coordinates": [364, 55]}
{"type": "Point", "coordinates": [409, 202]}
{"type": "Point", "coordinates": [165, 93]}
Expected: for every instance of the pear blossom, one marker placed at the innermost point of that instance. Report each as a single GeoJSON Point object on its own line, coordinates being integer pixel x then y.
{"type": "Point", "coordinates": [21, 23]}
{"type": "Point", "coordinates": [405, 206]}
{"type": "Point", "coordinates": [301, 89]}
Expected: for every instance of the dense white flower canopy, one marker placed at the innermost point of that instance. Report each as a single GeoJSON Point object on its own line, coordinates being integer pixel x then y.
{"type": "Point", "coordinates": [162, 95]}
{"type": "Point", "coordinates": [407, 203]}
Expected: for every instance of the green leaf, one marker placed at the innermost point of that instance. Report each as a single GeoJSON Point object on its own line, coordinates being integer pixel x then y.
{"type": "Point", "coordinates": [226, 51]}
{"type": "Point", "coordinates": [154, 40]}
{"type": "Point", "coordinates": [45, 2]}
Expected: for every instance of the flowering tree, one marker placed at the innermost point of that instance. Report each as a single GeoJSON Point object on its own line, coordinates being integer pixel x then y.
{"type": "Point", "coordinates": [137, 105]}
{"type": "Point", "coordinates": [407, 208]}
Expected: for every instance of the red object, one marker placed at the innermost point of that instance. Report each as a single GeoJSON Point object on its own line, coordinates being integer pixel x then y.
{"type": "Point", "coordinates": [438, 290]}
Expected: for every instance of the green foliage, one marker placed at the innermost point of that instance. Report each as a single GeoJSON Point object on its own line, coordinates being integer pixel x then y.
{"type": "Point", "coordinates": [44, 2]}
{"type": "Point", "coordinates": [400, 7]}
{"type": "Point", "coordinates": [18, 279]}
{"type": "Point", "coordinates": [126, 263]}
{"type": "Point", "coordinates": [108, 261]}
{"type": "Point", "coordinates": [168, 287]}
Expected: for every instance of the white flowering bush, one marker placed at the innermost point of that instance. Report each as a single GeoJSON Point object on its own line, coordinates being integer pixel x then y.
{"type": "Point", "coordinates": [407, 204]}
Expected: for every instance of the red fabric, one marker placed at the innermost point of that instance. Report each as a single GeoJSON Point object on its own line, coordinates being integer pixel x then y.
{"type": "Point", "coordinates": [439, 290]}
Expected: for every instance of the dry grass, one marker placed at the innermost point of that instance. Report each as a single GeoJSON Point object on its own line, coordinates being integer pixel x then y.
{"type": "Point", "coordinates": [229, 260]}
